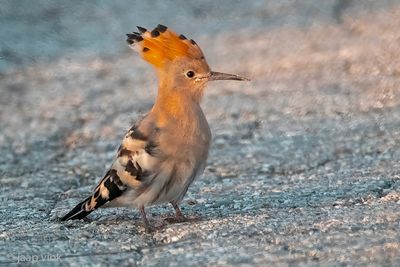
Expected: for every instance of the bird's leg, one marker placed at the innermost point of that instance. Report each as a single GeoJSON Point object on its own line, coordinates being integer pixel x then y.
{"type": "Point", "coordinates": [146, 223]}
{"type": "Point", "coordinates": [178, 214]}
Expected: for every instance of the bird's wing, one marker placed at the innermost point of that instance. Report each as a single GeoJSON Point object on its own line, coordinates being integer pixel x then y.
{"type": "Point", "coordinates": [137, 162]}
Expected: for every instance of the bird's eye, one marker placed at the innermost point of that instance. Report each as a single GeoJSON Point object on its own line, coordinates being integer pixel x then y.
{"type": "Point", "coordinates": [190, 74]}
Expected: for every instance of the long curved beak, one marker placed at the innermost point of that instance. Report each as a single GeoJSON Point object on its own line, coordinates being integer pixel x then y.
{"type": "Point", "coordinates": [215, 76]}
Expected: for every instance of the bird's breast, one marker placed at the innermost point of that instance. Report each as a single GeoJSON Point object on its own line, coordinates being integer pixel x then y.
{"type": "Point", "coordinates": [187, 137]}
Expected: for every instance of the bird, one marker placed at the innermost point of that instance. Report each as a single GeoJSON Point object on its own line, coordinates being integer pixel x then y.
{"type": "Point", "coordinates": [166, 150]}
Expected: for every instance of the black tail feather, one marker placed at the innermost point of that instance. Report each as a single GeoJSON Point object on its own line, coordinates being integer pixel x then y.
{"type": "Point", "coordinates": [109, 188]}
{"type": "Point", "coordinates": [78, 212]}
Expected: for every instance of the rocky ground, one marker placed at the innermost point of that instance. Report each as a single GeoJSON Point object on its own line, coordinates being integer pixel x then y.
{"type": "Point", "coordinates": [304, 166]}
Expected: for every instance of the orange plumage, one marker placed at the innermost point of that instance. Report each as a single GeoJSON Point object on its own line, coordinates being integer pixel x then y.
{"type": "Point", "coordinates": [162, 46]}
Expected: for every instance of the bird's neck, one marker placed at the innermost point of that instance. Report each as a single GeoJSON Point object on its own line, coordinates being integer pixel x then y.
{"type": "Point", "coordinates": [175, 104]}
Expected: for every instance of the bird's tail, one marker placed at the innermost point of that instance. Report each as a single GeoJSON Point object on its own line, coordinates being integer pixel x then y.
{"type": "Point", "coordinates": [109, 188]}
{"type": "Point", "coordinates": [79, 212]}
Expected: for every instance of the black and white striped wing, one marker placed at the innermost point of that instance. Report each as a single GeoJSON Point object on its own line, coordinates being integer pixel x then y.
{"type": "Point", "coordinates": [135, 164]}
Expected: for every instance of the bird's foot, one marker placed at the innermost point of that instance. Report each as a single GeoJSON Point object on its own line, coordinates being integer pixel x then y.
{"type": "Point", "coordinates": [150, 228]}
{"type": "Point", "coordinates": [147, 226]}
{"type": "Point", "coordinates": [177, 219]}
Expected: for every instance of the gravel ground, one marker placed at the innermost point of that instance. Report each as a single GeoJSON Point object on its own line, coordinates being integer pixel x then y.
{"type": "Point", "coordinates": [304, 166]}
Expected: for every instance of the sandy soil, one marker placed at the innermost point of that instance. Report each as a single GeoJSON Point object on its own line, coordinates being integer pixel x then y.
{"type": "Point", "coordinates": [304, 166]}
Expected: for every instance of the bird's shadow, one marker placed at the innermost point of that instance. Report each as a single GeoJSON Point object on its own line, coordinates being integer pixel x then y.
{"type": "Point", "coordinates": [269, 202]}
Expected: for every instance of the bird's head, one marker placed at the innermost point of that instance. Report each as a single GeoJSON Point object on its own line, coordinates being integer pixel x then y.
{"type": "Point", "coordinates": [179, 62]}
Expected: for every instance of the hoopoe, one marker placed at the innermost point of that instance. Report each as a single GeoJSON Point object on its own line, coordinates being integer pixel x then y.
{"type": "Point", "coordinates": [163, 153]}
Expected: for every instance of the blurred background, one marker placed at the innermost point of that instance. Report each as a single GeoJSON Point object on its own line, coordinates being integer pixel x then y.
{"type": "Point", "coordinates": [305, 160]}
{"type": "Point", "coordinates": [45, 30]}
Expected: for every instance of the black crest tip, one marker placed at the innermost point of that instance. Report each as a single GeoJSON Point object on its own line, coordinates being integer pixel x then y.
{"type": "Point", "coordinates": [161, 28]}
{"type": "Point", "coordinates": [155, 33]}
{"type": "Point", "coordinates": [134, 36]}
{"type": "Point", "coordinates": [141, 29]}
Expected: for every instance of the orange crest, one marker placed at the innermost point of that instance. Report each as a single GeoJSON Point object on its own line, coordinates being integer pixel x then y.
{"type": "Point", "coordinates": [162, 45]}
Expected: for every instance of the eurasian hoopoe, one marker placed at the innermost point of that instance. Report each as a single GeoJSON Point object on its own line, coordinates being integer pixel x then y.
{"type": "Point", "coordinates": [166, 150]}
